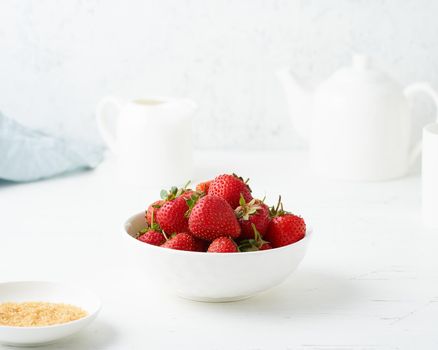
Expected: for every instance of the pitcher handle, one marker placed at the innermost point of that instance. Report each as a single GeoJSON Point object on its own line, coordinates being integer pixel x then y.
{"type": "Point", "coordinates": [105, 126]}
{"type": "Point", "coordinates": [410, 91]}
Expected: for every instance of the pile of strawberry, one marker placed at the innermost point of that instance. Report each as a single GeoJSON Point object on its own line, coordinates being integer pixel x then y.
{"type": "Point", "coordinates": [220, 216]}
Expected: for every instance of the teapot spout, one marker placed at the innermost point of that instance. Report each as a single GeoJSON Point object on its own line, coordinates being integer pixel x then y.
{"type": "Point", "coordinates": [299, 100]}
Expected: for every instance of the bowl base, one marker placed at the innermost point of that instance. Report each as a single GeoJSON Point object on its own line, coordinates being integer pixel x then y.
{"type": "Point", "coordinates": [30, 345]}
{"type": "Point", "coordinates": [215, 300]}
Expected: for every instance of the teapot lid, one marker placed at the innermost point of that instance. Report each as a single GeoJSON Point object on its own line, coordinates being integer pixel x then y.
{"type": "Point", "coordinates": [362, 72]}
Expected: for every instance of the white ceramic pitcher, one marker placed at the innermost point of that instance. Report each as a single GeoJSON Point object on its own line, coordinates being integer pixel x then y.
{"type": "Point", "coordinates": [151, 138]}
{"type": "Point", "coordinates": [358, 122]}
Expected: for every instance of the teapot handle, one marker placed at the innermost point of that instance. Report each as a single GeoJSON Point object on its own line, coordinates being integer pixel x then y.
{"type": "Point", "coordinates": [105, 126]}
{"type": "Point", "coordinates": [410, 91]}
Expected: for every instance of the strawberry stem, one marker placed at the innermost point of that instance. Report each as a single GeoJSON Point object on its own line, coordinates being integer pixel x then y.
{"type": "Point", "coordinates": [278, 210]}
{"type": "Point", "coordinates": [245, 210]}
{"type": "Point", "coordinates": [253, 244]}
{"type": "Point", "coordinates": [191, 202]}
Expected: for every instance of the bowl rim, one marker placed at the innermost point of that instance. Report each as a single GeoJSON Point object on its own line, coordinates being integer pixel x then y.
{"type": "Point", "coordinates": [90, 315]}
{"type": "Point", "coordinates": [303, 241]}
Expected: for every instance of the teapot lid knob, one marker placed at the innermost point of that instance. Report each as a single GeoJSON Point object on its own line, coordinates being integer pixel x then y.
{"type": "Point", "coordinates": [361, 61]}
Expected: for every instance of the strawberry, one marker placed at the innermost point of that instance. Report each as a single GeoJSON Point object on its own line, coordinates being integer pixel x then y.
{"type": "Point", "coordinates": [230, 188]}
{"type": "Point", "coordinates": [152, 237]}
{"type": "Point", "coordinates": [285, 228]}
{"type": "Point", "coordinates": [182, 241]}
{"type": "Point", "coordinates": [203, 186]}
{"type": "Point", "coordinates": [152, 233]}
{"type": "Point", "coordinates": [152, 211]}
{"type": "Point", "coordinates": [255, 243]}
{"type": "Point", "coordinates": [212, 217]}
{"type": "Point", "coordinates": [254, 212]}
{"type": "Point", "coordinates": [171, 216]}
{"type": "Point", "coordinates": [222, 245]}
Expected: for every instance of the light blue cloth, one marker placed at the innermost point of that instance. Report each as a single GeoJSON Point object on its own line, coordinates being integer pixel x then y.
{"type": "Point", "coordinates": [28, 155]}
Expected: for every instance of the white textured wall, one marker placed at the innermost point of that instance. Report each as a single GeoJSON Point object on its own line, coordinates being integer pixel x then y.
{"type": "Point", "coordinates": [57, 58]}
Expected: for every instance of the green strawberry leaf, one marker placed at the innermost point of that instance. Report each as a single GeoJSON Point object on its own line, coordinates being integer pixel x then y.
{"type": "Point", "coordinates": [242, 200]}
{"type": "Point", "coordinates": [252, 244]}
{"type": "Point", "coordinates": [163, 194]}
{"type": "Point", "coordinates": [191, 202]}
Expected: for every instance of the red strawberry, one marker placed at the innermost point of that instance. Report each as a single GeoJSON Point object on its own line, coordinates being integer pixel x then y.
{"type": "Point", "coordinates": [203, 186]}
{"type": "Point", "coordinates": [212, 217]}
{"type": "Point", "coordinates": [182, 241]}
{"type": "Point", "coordinates": [222, 245]}
{"type": "Point", "coordinates": [152, 237]}
{"type": "Point", "coordinates": [255, 243]}
{"type": "Point", "coordinates": [255, 212]}
{"type": "Point", "coordinates": [171, 216]}
{"type": "Point", "coordinates": [230, 187]}
{"type": "Point", "coordinates": [285, 228]}
{"type": "Point", "coordinates": [152, 209]}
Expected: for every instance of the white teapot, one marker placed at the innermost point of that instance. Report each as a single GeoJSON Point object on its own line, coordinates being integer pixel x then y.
{"type": "Point", "coordinates": [358, 122]}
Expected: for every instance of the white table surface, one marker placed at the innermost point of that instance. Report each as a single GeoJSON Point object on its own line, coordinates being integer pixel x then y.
{"type": "Point", "coordinates": [369, 280]}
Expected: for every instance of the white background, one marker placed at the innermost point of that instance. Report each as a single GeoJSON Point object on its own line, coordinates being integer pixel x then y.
{"type": "Point", "coordinates": [58, 58]}
{"type": "Point", "coordinates": [369, 280]}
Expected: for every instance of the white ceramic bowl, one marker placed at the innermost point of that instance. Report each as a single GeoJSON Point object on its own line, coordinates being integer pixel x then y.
{"type": "Point", "coordinates": [214, 277]}
{"type": "Point", "coordinates": [46, 292]}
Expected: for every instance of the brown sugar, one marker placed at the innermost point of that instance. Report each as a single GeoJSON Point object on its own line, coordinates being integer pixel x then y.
{"type": "Point", "coordinates": [34, 314]}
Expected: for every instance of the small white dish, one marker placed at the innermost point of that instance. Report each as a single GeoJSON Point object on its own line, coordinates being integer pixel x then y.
{"type": "Point", "coordinates": [53, 292]}
{"type": "Point", "coordinates": [213, 277]}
